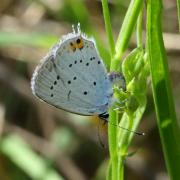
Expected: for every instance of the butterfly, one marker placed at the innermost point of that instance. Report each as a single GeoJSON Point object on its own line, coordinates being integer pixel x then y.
{"type": "Point", "coordinates": [73, 77]}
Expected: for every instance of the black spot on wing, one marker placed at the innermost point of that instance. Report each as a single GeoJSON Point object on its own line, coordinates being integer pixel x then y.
{"type": "Point", "coordinates": [69, 93]}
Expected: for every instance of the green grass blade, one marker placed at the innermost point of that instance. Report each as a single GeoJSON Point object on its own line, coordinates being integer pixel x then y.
{"type": "Point", "coordinates": [164, 105]}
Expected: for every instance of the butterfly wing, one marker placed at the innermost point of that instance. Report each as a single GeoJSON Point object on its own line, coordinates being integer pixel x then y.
{"type": "Point", "coordinates": [73, 77]}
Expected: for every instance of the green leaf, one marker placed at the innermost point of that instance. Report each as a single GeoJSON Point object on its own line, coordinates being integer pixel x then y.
{"type": "Point", "coordinates": [133, 63]}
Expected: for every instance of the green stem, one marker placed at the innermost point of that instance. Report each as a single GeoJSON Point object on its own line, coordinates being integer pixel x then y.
{"type": "Point", "coordinates": [113, 144]}
{"type": "Point", "coordinates": [109, 172]}
{"type": "Point", "coordinates": [112, 130]}
{"type": "Point", "coordinates": [139, 30]}
{"type": "Point", "coordinates": [121, 169]}
{"type": "Point", "coordinates": [163, 98]}
{"type": "Point", "coordinates": [117, 159]}
{"type": "Point", "coordinates": [126, 31]}
{"type": "Point", "coordinates": [108, 27]}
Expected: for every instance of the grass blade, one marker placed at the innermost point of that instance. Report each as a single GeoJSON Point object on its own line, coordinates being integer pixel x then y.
{"type": "Point", "coordinates": [163, 99]}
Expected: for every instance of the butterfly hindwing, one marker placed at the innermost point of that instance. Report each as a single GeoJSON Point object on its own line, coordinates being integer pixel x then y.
{"type": "Point", "coordinates": [73, 77]}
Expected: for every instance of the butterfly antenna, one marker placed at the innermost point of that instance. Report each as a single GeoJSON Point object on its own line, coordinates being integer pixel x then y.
{"type": "Point", "coordinates": [105, 117]}
{"type": "Point", "coordinates": [73, 29]}
{"type": "Point", "coordinates": [79, 27]}
{"type": "Point", "coordinates": [131, 131]}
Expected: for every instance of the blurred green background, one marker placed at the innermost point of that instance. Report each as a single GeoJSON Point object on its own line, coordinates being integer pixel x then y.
{"type": "Point", "coordinates": [41, 142]}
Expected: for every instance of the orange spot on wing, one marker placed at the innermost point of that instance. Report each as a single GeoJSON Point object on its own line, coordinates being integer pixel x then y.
{"type": "Point", "coordinates": [79, 43]}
